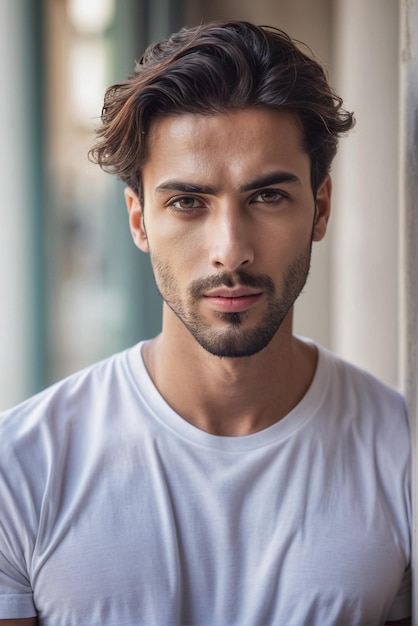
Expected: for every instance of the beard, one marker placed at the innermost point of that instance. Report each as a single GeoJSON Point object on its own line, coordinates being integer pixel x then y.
{"type": "Point", "coordinates": [232, 339]}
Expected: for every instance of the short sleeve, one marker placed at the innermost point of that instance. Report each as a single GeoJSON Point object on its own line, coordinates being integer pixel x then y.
{"type": "Point", "coordinates": [16, 598]}
{"type": "Point", "coordinates": [16, 606]}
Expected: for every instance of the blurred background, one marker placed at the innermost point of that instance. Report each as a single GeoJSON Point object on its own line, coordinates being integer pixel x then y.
{"type": "Point", "coordinates": [73, 288]}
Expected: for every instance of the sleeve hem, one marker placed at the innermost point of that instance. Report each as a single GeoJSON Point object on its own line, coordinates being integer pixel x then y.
{"type": "Point", "coordinates": [17, 606]}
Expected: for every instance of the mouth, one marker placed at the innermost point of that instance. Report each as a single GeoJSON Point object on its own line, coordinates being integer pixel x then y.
{"type": "Point", "coordinates": [232, 300]}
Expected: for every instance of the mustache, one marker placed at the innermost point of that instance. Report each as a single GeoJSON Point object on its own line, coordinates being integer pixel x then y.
{"type": "Point", "coordinates": [240, 278]}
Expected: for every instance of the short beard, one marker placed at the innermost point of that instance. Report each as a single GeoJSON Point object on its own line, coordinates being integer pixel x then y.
{"type": "Point", "coordinates": [233, 341]}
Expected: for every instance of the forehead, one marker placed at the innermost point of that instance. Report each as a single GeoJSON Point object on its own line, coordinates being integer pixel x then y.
{"type": "Point", "coordinates": [235, 144]}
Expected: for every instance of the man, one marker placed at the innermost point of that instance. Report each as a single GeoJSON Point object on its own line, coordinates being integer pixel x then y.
{"type": "Point", "coordinates": [225, 472]}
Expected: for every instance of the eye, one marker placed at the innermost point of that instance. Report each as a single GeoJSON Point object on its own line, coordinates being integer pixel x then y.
{"type": "Point", "coordinates": [186, 203]}
{"type": "Point", "coordinates": [269, 196]}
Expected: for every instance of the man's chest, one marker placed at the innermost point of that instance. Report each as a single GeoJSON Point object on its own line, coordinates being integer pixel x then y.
{"type": "Point", "coordinates": [190, 547]}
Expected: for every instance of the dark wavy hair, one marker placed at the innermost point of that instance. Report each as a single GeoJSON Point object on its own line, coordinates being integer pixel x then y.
{"type": "Point", "coordinates": [213, 68]}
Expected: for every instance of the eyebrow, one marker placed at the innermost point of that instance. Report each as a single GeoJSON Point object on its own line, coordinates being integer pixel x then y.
{"type": "Point", "coordinates": [176, 185]}
{"type": "Point", "coordinates": [274, 178]}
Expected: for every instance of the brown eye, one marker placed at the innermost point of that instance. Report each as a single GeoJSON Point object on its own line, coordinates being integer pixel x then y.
{"type": "Point", "coordinates": [268, 197]}
{"type": "Point", "coordinates": [186, 203]}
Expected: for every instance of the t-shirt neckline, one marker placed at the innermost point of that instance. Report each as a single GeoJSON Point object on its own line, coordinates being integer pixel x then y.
{"type": "Point", "coordinates": [162, 412]}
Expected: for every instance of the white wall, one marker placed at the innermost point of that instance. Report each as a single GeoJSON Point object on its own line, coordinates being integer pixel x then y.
{"type": "Point", "coordinates": [409, 245]}
{"type": "Point", "coordinates": [365, 281]}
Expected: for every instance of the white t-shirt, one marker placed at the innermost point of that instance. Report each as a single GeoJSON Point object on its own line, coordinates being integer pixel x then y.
{"type": "Point", "coordinates": [114, 511]}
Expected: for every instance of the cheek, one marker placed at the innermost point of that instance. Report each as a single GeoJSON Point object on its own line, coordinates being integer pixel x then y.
{"type": "Point", "coordinates": [285, 243]}
{"type": "Point", "coordinates": [180, 248]}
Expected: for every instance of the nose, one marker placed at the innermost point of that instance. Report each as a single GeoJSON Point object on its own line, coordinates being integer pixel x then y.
{"type": "Point", "coordinates": [230, 240]}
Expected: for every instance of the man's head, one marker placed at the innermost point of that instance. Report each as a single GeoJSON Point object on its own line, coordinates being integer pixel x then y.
{"type": "Point", "coordinates": [229, 222]}
{"type": "Point", "coordinates": [225, 135]}
{"type": "Point", "coordinates": [219, 67]}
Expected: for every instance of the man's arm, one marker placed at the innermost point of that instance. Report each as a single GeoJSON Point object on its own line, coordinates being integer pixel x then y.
{"type": "Point", "coordinates": [30, 621]}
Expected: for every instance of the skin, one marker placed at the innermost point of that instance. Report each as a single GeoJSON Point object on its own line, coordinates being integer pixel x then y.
{"type": "Point", "coordinates": [228, 196]}
{"type": "Point", "coordinates": [31, 621]}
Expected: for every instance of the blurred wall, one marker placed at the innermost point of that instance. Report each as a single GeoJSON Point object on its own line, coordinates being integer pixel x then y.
{"type": "Point", "coordinates": [365, 260]}
{"type": "Point", "coordinates": [409, 238]}
{"type": "Point", "coordinates": [73, 287]}
{"type": "Point", "coordinates": [19, 194]}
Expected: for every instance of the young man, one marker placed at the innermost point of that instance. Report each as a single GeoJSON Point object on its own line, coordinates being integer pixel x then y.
{"type": "Point", "coordinates": [225, 472]}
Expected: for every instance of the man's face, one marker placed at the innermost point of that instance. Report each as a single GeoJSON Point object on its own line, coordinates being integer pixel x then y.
{"type": "Point", "coordinates": [228, 218]}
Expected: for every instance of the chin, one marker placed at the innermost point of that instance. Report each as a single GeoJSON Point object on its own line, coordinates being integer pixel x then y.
{"type": "Point", "coordinates": [235, 343]}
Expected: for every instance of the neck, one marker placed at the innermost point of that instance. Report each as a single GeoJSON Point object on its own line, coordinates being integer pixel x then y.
{"type": "Point", "coordinates": [229, 396]}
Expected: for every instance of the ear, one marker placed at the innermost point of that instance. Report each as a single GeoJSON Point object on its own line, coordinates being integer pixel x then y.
{"type": "Point", "coordinates": [136, 220]}
{"type": "Point", "coordinates": [323, 208]}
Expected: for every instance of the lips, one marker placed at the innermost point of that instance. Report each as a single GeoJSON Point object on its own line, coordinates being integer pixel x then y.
{"type": "Point", "coordinates": [232, 300]}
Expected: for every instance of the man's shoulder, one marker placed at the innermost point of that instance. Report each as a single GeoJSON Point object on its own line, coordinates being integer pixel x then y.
{"type": "Point", "coordinates": [68, 397]}
{"type": "Point", "coordinates": [360, 399]}
{"type": "Point", "coordinates": [356, 379]}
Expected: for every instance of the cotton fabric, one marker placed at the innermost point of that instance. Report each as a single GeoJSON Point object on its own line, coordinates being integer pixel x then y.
{"type": "Point", "coordinates": [115, 511]}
